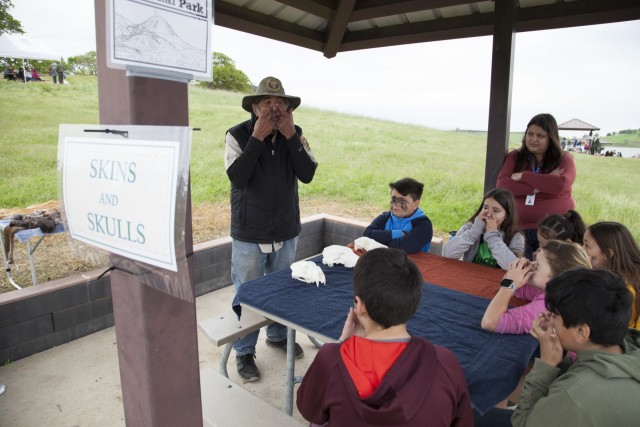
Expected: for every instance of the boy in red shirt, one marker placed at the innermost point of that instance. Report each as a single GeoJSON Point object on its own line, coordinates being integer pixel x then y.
{"type": "Point", "coordinates": [378, 374]}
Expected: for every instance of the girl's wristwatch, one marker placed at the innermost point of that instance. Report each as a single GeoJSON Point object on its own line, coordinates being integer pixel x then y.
{"type": "Point", "coordinates": [508, 283]}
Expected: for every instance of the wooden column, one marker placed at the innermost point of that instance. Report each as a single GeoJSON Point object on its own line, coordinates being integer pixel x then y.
{"type": "Point", "coordinates": [504, 33]}
{"type": "Point", "coordinates": [156, 332]}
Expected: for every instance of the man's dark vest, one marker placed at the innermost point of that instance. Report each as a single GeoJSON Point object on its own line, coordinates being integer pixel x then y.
{"type": "Point", "coordinates": [266, 209]}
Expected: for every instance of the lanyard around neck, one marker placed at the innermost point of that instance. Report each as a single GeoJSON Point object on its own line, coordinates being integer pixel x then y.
{"type": "Point", "coordinates": [535, 166]}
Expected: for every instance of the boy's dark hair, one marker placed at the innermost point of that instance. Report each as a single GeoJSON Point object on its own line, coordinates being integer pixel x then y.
{"type": "Point", "coordinates": [408, 187]}
{"type": "Point", "coordinates": [389, 284]}
{"type": "Point", "coordinates": [563, 226]}
{"type": "Point", "coordinates": [598, 298]}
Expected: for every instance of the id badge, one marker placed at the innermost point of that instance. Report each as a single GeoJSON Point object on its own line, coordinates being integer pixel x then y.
{"type": "Point", "coordinates": [531, 199]}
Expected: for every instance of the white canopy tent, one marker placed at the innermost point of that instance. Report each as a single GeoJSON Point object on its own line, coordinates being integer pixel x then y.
{"type": "Point", "coordinates": [22, 47]}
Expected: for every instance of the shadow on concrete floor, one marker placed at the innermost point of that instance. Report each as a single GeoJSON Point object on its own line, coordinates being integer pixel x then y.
{"type": "Point", "coordinates": [78, 383]}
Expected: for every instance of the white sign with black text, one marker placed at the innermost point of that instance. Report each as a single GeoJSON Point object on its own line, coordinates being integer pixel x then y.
{"type": "Point", "coordinates": [121, 196]}
{"type": "Point", "coordinates": [161, 38]}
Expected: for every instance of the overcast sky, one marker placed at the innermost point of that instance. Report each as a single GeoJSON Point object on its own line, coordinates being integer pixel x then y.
{"type": "Point", "coordinates": [590, 73]}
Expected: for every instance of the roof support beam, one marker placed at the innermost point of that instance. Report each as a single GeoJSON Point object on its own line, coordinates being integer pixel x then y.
{"type": "Point", "coordinates": [439, 29]}
{"type": "Point", "coordinates": [379, 9]}
{"type": "Point", "coordinates": [238, 18]}
{"type": "Point", "coordinates": [312, 7]}
{"type": "Point", "coordinates": [577, 13]}
{"type": "Point", "coordinates": [504, 35]}
{"type": "Point", "coordinates": [337, 38]}
{"type": "Point", "coordinates": [156, 332]}
{"type": "Point", "coordinates": [337, 27]}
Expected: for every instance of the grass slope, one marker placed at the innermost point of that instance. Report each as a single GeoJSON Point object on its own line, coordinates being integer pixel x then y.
{"type": "Point", "coordinates": [358, 157]}
{"type": "Point", "coordinates": [629, 140]}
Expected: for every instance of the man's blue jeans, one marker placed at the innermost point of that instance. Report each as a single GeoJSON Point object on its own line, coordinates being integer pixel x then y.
{"type": "Point", "coordinates": [248, 263]}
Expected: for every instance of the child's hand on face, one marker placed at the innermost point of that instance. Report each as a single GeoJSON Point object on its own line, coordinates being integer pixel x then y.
{"type": "Point", "coordinates": [520, 271]}
{"type": "Point", "coordinates": [492, 223]}
{"type": "Point", "coordinates": [481, 219]}
{"type": "Point", "coordinates": [543, 319]}
{"type": "Point", "coordinates": [551, 350]}
{"type": "Point", "coordinates": [351, 326]}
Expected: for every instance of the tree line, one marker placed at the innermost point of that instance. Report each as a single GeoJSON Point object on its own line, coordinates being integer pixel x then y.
{"type": "Point", "coordinates": [624, 132]}
{"type": "Point", "coordinates": [225, 74]}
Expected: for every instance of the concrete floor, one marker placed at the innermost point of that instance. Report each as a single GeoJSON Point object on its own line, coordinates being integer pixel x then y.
{"type": "Point", "coordinates": [78, 383]}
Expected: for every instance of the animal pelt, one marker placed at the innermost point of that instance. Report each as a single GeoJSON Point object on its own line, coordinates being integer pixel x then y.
{"type": "Point", "coordinates": [45, 220]}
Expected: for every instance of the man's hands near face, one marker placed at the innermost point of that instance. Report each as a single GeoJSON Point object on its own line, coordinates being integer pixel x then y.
{"type": "Point", "coordinates": [263, 127]}
{"type": "Point", "coordinates": [284, 124]}
{"type": "Point", "coordinates": [273, 118]}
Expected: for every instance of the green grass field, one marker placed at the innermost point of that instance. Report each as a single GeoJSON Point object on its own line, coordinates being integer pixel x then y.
{"type": "Point", "coordinates": [358, 156]}
{"type": "Point", "coordinates": [624, 140]}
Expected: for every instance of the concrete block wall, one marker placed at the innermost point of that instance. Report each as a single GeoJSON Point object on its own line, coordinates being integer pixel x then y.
{"type": "Point", "coordinates": [40, 317]}
{"type": "Point", "coordinates": [50, 314]}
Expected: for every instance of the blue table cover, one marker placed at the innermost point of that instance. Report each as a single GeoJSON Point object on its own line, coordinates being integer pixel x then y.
{"type": "Point", "coordinates": [27, 234]}
{"type": "Point", "coordinates": [492, 363]}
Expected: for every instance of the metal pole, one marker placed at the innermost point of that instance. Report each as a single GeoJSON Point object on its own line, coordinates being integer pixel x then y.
{"type": "Point", "coordinates": [32, 266]}
{"type": "Point", "coordinates": [291, 362]}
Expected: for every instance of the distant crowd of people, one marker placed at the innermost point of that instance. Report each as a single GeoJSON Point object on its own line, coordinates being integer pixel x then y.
{"type": "Point", "coordinates": [31, 74]}
{"type": "Point", "coordinates": [590, 146]}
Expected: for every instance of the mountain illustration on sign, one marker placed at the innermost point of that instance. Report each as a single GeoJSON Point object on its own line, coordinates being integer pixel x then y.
{"type": "Point", "coordinates": [154, 41]}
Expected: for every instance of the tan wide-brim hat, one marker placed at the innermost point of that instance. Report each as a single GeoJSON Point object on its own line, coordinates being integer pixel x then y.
{"type": "Point", "coordinates": [269, 86]}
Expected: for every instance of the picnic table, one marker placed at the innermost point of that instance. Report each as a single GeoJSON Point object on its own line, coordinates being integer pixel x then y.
{"type": "Point", "coordinates": [25, 236]}
{"type": "Point", "coordinates": [454, 298]}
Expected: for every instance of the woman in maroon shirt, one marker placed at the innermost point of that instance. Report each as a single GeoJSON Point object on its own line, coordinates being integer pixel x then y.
{"type": "Point", "coordinates": [540, 175]}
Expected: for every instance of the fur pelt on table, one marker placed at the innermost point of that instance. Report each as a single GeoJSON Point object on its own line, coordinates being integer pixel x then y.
{"type": "Point", "coordinates": [45, 220]}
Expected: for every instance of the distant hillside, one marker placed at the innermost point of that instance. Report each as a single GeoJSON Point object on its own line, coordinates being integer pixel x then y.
{"type": "Point", "coordinates": [624, 140]}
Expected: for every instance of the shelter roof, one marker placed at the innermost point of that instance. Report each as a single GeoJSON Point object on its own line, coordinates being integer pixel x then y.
{"type": "Point", "coordinates": [20, 46]}
{"type": "Point", "coordinates": [332, 26]}
{"type": "Point", "coordinates": [577, 124]}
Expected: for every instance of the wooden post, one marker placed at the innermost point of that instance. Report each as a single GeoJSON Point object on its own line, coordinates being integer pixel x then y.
{"type": "Point", "coordinates": [501, 82]}
{"type": "Point", "coordinates": [156, 332]}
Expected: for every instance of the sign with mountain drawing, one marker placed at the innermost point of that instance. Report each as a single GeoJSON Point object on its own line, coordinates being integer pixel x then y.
{"type": "Point", "coordinates": [161, 37]}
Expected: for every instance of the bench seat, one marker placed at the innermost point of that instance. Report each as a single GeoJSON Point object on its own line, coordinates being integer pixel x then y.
{"type": "Point", "coordinates": [225, 328]}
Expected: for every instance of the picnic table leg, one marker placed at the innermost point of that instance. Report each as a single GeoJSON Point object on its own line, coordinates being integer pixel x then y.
{"type": "Point", "coordinates": [225, 358]}
{"type": "Point", "coordinates": [32, 265]}
{"type": "Point", "coordinates": [290, 379]}
{"type": "Point", "coordinates": [5, 261]}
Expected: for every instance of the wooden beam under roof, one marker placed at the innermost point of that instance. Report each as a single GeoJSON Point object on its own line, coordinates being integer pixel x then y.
{"type": "Point", "coordinates": [381, 8]}
{"type": "Point", "coordinates": [427, 31]}
{"type": "Point", "coordinates": [335, 36]}
{"type": "Point", "coordinates": [316, 8]}
{"type": "Point", "coordinates": [577, 13]}
{"type": "Point", "coordinates": [241, 19]}
{"type": "Point", "coordinates": [558, 15]}
{"type": "Point", "coordinates": [337, 27]}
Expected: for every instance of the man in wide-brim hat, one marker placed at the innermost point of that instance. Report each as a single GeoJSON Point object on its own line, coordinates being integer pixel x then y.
{"type": "Point", "coordinates": [269, 86]}
{"type": "Point", "coordinates": [265, 157]}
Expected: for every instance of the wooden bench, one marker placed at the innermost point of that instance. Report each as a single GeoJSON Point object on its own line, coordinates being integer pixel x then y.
{"type": "Point", "coordinates": [225, 328]}
{"type": "Point", "coordinates": [225, 403]}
